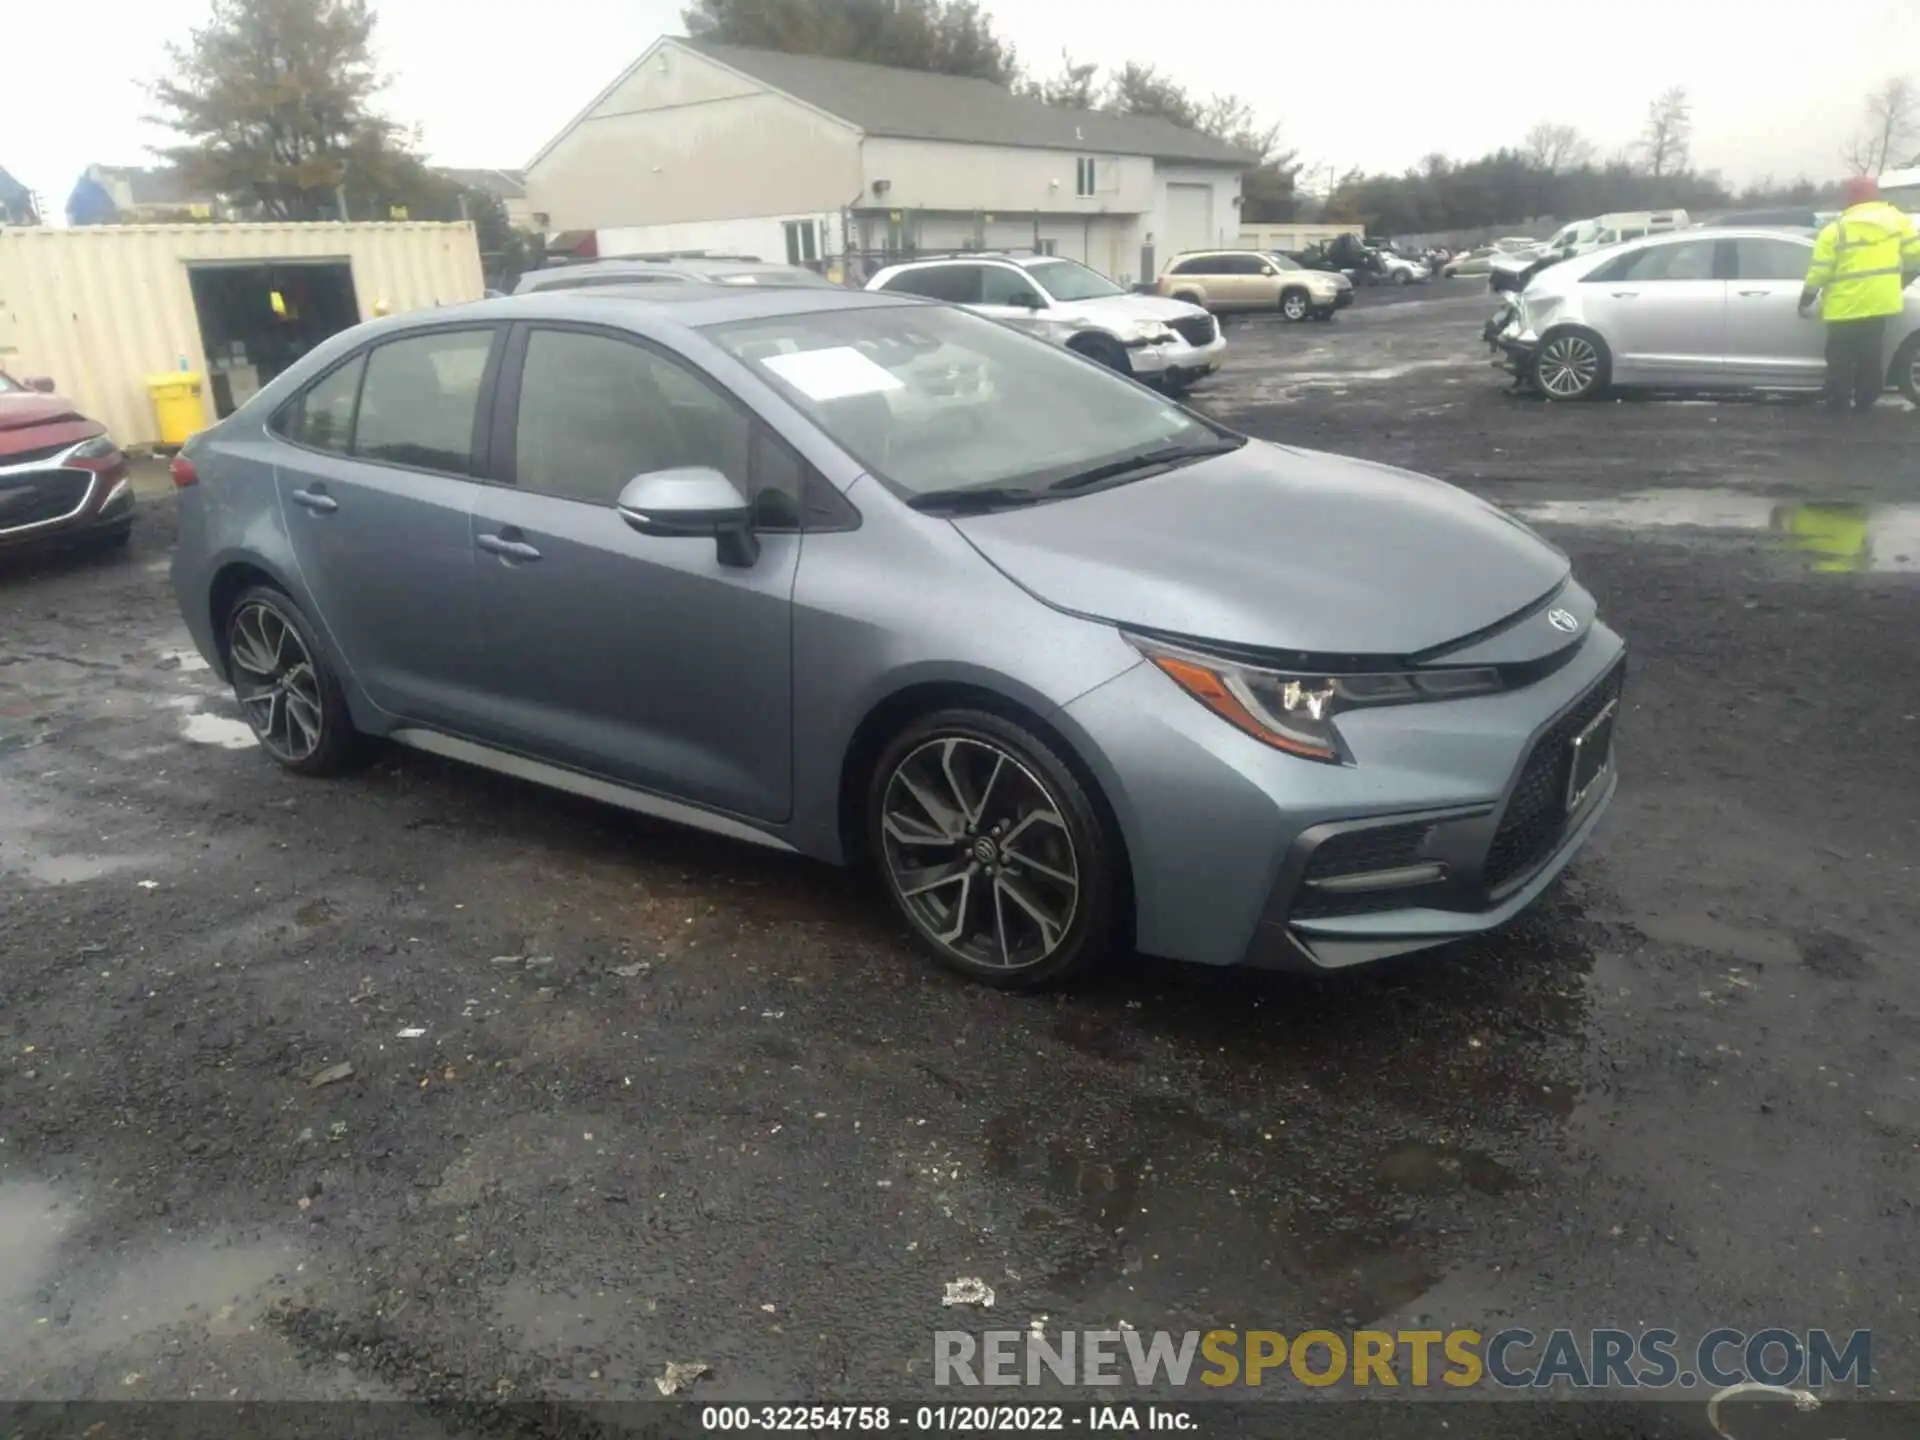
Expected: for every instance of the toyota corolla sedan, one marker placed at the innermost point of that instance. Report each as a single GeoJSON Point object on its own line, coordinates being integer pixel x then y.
{"type": "Point", "coordinates": [878, 580]}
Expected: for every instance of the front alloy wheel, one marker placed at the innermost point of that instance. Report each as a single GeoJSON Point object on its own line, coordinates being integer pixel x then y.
{"type": "Point", "coordinates": [1294, 306]}
{"type": "Point", "coordinates": [992, 851]}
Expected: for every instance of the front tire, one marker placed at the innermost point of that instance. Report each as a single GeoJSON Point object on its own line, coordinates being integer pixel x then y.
{"type": "Point", "coordinates": [993, 851]}
{"type": "Point", "coordinates": [1295, 306]}
{"type": "Point", "coordinates": [1571, 365]}
{"type": "Point", "coordinates": [1104, 351]}
{"type": "Point", "coordinates": [1906, 368]}
{"type": "Point", "coordinates": [288, 693]}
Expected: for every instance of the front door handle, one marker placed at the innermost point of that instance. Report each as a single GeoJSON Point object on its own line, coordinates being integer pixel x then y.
{"type": "Point", "coordinates": [507, 549]}
{"type": "Point", "coordinates": [317, 501]}
{"type": "Point", "coordinates": [1626, 294]}
{"type": "Point", "coordinates": [1754, 294]}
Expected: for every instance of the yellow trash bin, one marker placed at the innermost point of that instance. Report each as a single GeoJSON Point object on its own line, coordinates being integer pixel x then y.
{"type": "Point", "coordinates": [177, 406]}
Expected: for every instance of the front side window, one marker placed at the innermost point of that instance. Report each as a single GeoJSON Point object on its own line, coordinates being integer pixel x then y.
{"type": "Point", "coordinates": [1688, 260]}
{"type": "Point", "coordinates": [1284, 262]}
{"type": "Point", "coordinates": [1002, 285]}
{"type": "Point", "coordinates": [322, 419]}
{"type": "Point", "coordinates": [1242, 265]}
{"type": "Point", "coordinates": [1757, 259]}
{"type": "Point", "coordinates": [419, 400]}
{"type": "Point", "coordinates": [1070, 280]}
{"type": "Point", "coordinates": [941, 399]}
{"type": "Point", "coordinates": [595, 411]}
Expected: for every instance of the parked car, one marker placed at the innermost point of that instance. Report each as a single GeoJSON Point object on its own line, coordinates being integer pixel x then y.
{"type": "Point", "coordinates": [63, 479]}
{"type": "Point", "coordinates": [640, 270]}
{"type": "Point", "coordinates": [1232, 281]}
{"type": "Point", "coordinates": [1788, 218]}
{"type": "Point", "coordinates": [1473, 262]}
{"type": "Point", "coordinates": [1075, 668]}
{"type": "Point", "coordinates": [1394, 268]}
{"type": "Point", "coordinates": [1512, 244]}
{"type": "Point", "coordinates": [1694, 309]}
{"type": "Point", "coordinates": [1168, 343]}
{"type": "Point", "coordinates": [1582, 237]}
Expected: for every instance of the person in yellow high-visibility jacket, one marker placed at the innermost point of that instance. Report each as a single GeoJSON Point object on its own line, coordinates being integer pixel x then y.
{"type": "Point", "coordinates": [1862, 265]}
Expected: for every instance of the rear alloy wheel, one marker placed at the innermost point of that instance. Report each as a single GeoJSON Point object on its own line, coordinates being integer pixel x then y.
{"type": "Point", "coordinates": [289, 697]}
{"type": "Point", "coordinates": [1295, 306]}
{"type": "Point", "coordinates": [992, 850]}
{"type": "Point", "coordinates": [1906, 368]}
{"type": "Point", "coordinates": [1570, 365]}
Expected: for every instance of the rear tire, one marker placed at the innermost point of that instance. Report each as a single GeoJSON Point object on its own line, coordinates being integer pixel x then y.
{"type": "Point", "coordinates": [1906, 368]}
{"type": "Point", "coordinates": [287, 692]}
{"type": "Point", "coordinates": [1295, 305]}
{"type": "Point", "coordinates": [1571, 364]}
{"type": "Point", "coordinates": [993, 852]}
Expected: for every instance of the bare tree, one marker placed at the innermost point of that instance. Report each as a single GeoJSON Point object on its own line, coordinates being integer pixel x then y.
{"type": "Point", "coordinates": [1668, 138]}
{"type": "Point", "coordinates": [1556, 148]}
{"type": "Point", "coordinates": [1892, 123]}
{"type": "Point", "coordinates": [1076, 86]}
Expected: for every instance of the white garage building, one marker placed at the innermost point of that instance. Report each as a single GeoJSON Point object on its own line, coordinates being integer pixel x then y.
{"type": "Point", "coordinates": [698, 146]}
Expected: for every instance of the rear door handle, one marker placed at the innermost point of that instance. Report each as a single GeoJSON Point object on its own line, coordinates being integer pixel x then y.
{"type": "Point", "coordinates": [1755, 293]}
{"type": "Point", "coordinates": [317, 501]}
{"type": "Point", "coordinates": [1626, 294]}
{"type": "Point", "coordinates": [507, 549]}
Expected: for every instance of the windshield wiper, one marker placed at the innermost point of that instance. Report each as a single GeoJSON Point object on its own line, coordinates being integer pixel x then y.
{"type": "Point", "coordinates": [1166, 456]}
{"type": "Point", "coordinates": [974, 497]}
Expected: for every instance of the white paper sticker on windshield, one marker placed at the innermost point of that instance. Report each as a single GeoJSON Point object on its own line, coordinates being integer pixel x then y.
{"type": "Point", "coordinates": [833, 374]}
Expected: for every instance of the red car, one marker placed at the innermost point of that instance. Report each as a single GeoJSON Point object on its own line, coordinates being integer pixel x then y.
{"type": "Point", "coordinates": [62, 479]}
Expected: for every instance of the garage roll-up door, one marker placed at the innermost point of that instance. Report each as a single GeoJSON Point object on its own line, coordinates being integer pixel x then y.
{"type": "Point", "coordinates": [1189, 218]}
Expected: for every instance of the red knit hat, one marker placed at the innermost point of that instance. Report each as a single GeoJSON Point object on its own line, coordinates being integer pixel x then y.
{"type": "Point", "coordinates": [1861, 189]}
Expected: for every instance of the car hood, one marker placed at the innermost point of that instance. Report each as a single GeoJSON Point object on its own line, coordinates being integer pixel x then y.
{"type": "Point", "coordinates": [19, 412]}
{"type": "Point", "coordinates": [1129, 307]}
{"type": "Point", "coordinates": [34, 422]}
{"type": "Point", "coordinates": [1273, 548]}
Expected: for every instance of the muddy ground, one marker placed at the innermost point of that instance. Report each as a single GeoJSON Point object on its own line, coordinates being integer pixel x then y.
{"type": "Point", "coordinates": [622, 1095]}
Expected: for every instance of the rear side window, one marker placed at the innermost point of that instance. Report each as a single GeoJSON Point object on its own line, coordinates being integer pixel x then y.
{"type": "Point", "coordinates": [956, 284]}
{"type": "Point", "coordinates": [1201, 265]}
{"type": "Point", "coordinates": [322, 418]}
{"type": "Point", "coordinates": [420, 398]}
{"type": "Point", "coordinates": [1757, 259]}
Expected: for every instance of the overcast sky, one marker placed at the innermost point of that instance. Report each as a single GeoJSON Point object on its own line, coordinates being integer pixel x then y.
{"type": "Point", "coordinates": [1776, 87]}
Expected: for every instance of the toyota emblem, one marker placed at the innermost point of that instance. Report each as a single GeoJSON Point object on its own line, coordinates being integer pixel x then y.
{"type": "Point", "coordinates": [1564, 621]}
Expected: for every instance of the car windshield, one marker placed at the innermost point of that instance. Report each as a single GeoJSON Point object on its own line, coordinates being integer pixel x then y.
{"type": "Point", "coordinates": [1284, 262]}
{"type": "Point", "coordinates": [1070, 280]}
{"type": "Point", "coordinates": [931, 398]}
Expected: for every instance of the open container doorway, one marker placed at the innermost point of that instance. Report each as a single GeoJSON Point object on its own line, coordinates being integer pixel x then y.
{"type": "Point", "coordinates": [257, 318]}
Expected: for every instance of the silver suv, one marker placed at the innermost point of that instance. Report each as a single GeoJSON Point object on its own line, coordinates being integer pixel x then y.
{"type": "Point", "coordinates": [1167, 343]}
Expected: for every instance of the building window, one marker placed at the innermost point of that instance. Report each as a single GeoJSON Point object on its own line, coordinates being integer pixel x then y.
{"type": "Point", "coordinates": [1083, 176]}
{"type": "Point", "coordinates": [803, 241]}
{"type": "Point", "coordinates": [1046, 247]}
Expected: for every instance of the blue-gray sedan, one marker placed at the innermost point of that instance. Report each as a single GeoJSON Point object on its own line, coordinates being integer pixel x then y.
{"type": "Point", "coordinates": [874, 579]}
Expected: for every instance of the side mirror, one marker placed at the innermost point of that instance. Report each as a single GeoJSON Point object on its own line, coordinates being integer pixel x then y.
{"type": "Point", "coordinates": [692, 501]}
{"type": "Point", "coordinates": [42, 383]}
{"type": "Point", "coordinates": [1027, 300]}
{"type": "Point", "coordinates": [1266, 269]}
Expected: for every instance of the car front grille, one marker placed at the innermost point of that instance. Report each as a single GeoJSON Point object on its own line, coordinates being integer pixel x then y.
{"type": "Point", "coordinates": [1535, 817]}
{"type": "Point", "coordinates": [41, 496]}
{"type": "Point", "coordinates": [1196, 329]}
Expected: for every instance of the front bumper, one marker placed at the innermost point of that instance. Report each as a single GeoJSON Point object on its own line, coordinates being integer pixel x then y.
{"type": "Point", "coordinates": [1177, 362]}
{"type": "Point", "coordinates": [1447, 820]}
{"type": "Point", "coordinates": [1343, 297]}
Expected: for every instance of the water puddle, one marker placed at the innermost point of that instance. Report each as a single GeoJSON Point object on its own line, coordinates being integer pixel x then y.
{"type": "Point", "coordinates": [219, 730]}
{"type": "Point", "coordinates": [1836, 537]}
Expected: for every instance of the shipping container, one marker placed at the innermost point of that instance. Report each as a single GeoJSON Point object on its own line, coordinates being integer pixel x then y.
{"type": "Point", "coordinates": [1292, 234]}
{"type": "Point", "coordinates": [100, 308]}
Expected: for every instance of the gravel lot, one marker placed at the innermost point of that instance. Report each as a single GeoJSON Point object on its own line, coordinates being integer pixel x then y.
{"type": "Point", "coordinates": [622, 1095]}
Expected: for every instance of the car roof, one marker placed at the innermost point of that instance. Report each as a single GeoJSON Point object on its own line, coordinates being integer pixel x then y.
{"type": "Point", "coordinates": [690, 303]}
{"type": "Point", "coordinates": [978, 257]}
{"type": "Point", "coordinates": [693, 267]}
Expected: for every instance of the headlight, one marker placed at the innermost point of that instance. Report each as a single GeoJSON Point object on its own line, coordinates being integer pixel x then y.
{"type": "Point", "coordinates": [1295, 710]}
{"type": "Point", "coordinates": [100, 447]}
